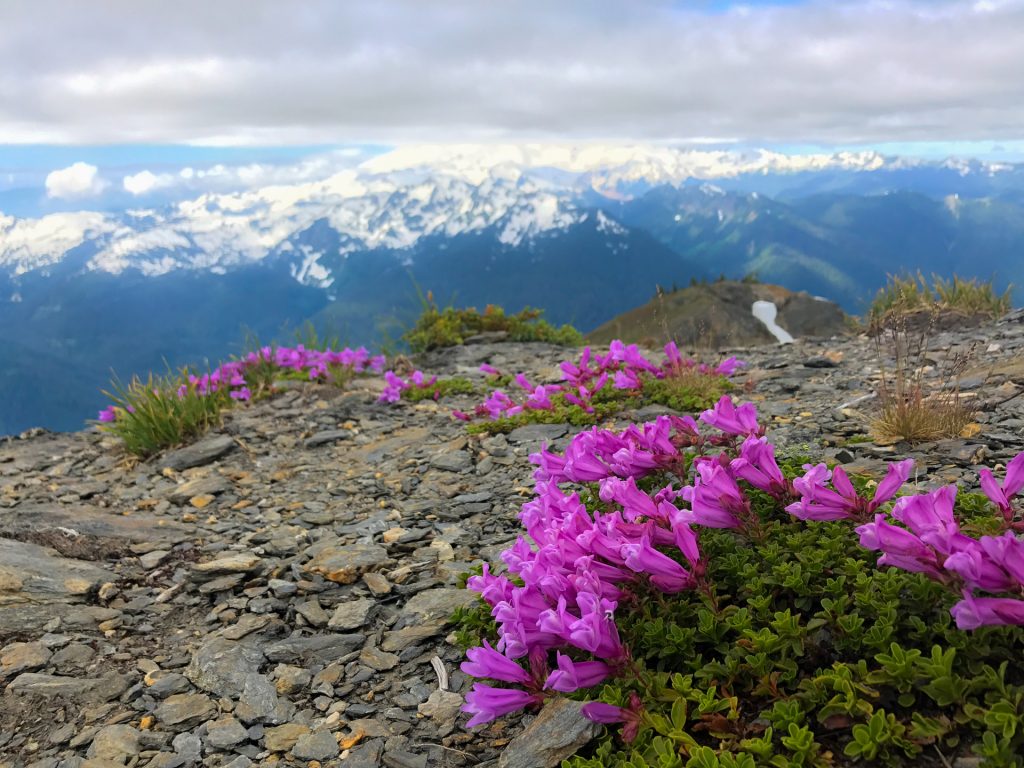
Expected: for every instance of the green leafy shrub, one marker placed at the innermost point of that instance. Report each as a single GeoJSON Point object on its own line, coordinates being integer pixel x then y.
{"type": "Point", "coordinates": [451, 326]}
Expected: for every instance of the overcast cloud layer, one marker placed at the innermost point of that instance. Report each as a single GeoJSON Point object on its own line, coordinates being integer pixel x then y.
{"type": "Point", "coordinates": [321, 71]}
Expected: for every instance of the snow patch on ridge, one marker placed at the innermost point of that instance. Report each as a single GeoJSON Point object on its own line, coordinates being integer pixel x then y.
{"type": "Point", "coordinates": [606, 225]}
{"type": "Point", "coordinates": [766, 312]}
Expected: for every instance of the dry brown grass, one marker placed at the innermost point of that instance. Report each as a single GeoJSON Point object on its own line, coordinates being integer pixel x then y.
{"type": "Point", "coordinates": [910, 406]}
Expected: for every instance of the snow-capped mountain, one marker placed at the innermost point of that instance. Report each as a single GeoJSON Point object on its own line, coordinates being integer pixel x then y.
{"type": "Point", "coordinates": [393, 200]}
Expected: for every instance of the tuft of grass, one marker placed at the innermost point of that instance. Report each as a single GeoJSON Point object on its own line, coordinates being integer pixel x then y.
{"type": "Point", "coordinates": [309, 337]}
{"type": "Point", "coordinates": [152, 415]}
{"type": "Point", "coordinates": [907, 294]}
{"type": "Point", "coordinates": [451, 326]}
{"type": "Point", "coordinates": [909, 408]}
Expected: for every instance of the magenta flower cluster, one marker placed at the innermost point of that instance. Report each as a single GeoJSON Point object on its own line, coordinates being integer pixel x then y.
{"type": "Point", "coordinates": [623, 368]}
{"type": "Point", "coordinates": [576, 567]}
{"type": "Point", "coordinates": [395, 385]}
{"type": "Point", "coordinates": [929, 540]}
{"type": "Point", "coordinates": [231, 376]}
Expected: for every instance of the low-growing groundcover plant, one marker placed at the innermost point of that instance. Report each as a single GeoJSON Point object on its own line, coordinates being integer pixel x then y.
{"type": "Point", "coordinates": [716, 606]}
{"type": "Point", "coordinates": [417, 387]}
{"type": "Point", "coordinates": [159, 412]}
{"type": "Point", "coordinates": [600, 385]}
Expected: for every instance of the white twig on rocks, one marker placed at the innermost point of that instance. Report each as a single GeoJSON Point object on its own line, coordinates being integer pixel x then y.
{"type": "Point", "coordinates": [441, 671]}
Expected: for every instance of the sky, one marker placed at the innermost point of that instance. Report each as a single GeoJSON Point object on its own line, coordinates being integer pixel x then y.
{"type": "Point", "coordinates": [244, 92]}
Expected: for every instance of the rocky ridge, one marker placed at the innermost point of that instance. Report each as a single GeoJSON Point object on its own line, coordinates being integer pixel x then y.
{"type": "Point", "coordinates": [279, 592]}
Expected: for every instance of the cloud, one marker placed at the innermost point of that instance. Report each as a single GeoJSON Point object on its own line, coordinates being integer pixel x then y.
{"type": "Point", "coordinates": [261, 72]}
{"type": "Point", "coordinates": [77, 180]}
{"type": "Point", "coordinates": [145, 181]}
{"type": "Point", "coordinates": [221, 177]}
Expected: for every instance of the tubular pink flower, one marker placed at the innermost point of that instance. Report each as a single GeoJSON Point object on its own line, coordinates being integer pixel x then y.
{"type": "Point", "coordinates": [630, 716]}
{"type": "Point", "coordinates": [757, 465]}
{"type": "Point", "coordinates": [973, 612]}
{"type": "Point", "coordinates": [729, 366]}
{"type": "Point", "coordinates": [1007, 551]}
{"type": "Point", "coordinates": [600, 712]}
{"type": "Point", "coordinates": [626, 379]}
{"type": "Point", "coordinates": [493, 589]}
{"type": "Point", "coordinates": [573, 675]}
{"type": "Point", "coordinates": [895, 477]}
{"type": "Point", "coordinates": [487, 703]}
{"type": "Point", "coordinates": [487, 662]}
{"type": "Point", "coordinates": [684, 538]}
{"type": "Point", "coordinates": [727, 418]}
{"type": "Point", "coordinates": [595, 630]}
{"type": "Point", "coordinates": [540, 398]}
{"type": "Point", "coordinates": [930, 516]}
{"type": "Point", "coordinates": [900, 548]}
{"type": "Point", "coordinates": [665, 572]}
{"type": "Point", "coordinates": [675, 360]}
{"type": "Point", "coordinates": [635, 503]}
{"type": "Point", "coordinates": [1002, 495]}
{"type": "Point", "coordinates": [976, 568]}
{"type": "Point", "coordinates": [820, 503]}
{"type": "Point", "coordinates": [715, 499]}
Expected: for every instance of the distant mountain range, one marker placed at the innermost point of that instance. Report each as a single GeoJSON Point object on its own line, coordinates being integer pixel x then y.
{"type": "Point", "coordinates": [585, 233]}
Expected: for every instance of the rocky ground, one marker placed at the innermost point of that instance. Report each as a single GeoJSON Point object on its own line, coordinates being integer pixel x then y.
{"type": "Point", "coordinates": [279, 591]}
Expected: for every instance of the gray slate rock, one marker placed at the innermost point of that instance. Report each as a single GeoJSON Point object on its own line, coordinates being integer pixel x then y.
{"type": "Point", "coordinates": [555, 734]}
{"type": "Point", "coordinates": [328, 436]}
{"type": "Point", "coordinates": [104, 688]}
{"type": "Point", "coordinates": [225, 733]}
{"type": "Point", "coordinates": [115, 742]}
{"type": "Point", "coordinates": [258, 700]}
{"type": "Point", "coordinates": [185, 709]}
{"type": "Point", "coordinates": [213, 486]}
{"type": "Point", "coordinates": [440, 603]}
{"type": "Point", "coordinates": [453, 461]}
{"type": "Point", "coordinates": [344, 564]}
{"type": "Point", "coordinates": [221, 666]}
{"type": "Point", "coordinates": [351, 615]}
{"type": "Point", "coordinates": [365, 755]}
{"type": "Point", "coordinates": [199, 453]}
{"type": "Point", "coordinates": [319, 745]}
{"type": "Point", "coordinates": [531, 433]}
{"type": "Point", "coordinates": [314, 648]}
